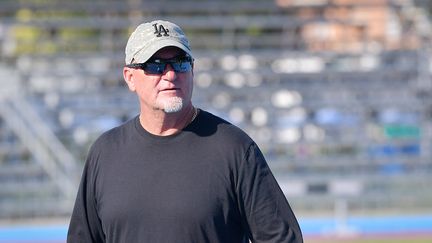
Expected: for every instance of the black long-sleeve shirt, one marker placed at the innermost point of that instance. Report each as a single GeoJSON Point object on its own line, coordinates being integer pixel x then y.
{"type": "Point", "coordinates": [208, 183]}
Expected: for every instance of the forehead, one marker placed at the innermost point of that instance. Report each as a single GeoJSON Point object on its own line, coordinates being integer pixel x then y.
{"type": "Point", "coordinates": [168, 52]}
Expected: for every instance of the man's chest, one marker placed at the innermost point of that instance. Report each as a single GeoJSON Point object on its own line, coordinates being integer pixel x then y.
{"type": "Point", "coordinates": [178, 195]}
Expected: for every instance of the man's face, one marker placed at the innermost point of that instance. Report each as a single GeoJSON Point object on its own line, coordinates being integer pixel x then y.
{"type": "Point", "coordinates": [169, 91]}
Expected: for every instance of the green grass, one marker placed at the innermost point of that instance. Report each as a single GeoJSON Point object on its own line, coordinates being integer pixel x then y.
{"type": "Point", "coordinates": [405, 239]}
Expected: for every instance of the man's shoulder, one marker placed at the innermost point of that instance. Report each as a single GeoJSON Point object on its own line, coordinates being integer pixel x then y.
{"type": "Point", "coordinates": [115, 134]}
{"type": "Point", "coordinates": [220, 128]}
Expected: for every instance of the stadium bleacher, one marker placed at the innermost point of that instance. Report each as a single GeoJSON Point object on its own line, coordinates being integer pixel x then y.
{"type": "Point", "coordinates": [337, 116]}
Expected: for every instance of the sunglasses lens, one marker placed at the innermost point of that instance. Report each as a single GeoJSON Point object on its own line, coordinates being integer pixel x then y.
{"type": "Point", "coordinates": [181, 66]}
{"type": "Point", "coordinates": [154, 68]}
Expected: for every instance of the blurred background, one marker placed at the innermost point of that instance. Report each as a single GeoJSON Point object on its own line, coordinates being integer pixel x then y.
{"type": "Point", "coordinates": [337, 93]}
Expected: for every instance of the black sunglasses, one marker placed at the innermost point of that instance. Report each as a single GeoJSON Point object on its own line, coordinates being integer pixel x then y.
{"type": "Point", "coordinates": [180, 64]}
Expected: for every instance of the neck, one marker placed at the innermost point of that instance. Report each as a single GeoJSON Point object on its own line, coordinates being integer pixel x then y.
{"type": "Point", "coordinates": [161, 123]}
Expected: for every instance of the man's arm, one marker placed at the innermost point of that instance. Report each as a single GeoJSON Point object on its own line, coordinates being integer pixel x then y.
{"type": "Point", "coordinates": [267, 215]}
{"type": "Point", "coordinates": [85, 225]}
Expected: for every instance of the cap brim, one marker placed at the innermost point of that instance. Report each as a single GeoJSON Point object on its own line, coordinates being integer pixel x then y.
{"type": "Point", "coordinates": [145, 54]}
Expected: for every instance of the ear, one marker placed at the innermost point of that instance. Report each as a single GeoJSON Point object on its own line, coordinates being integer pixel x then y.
{"type": "Point", "coordinates": [129, 78]}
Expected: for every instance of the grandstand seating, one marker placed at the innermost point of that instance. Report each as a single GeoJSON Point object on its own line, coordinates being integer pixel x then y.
{"type": "Point", "coordinates": [348, 122]}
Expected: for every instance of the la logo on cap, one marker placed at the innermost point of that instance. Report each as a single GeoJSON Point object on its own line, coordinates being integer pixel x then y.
{"type": "Point", "coordinates": [159, 30]}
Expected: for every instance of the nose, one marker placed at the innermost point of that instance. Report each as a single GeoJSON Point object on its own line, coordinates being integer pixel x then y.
{"type": "Point", "coordinates": [169, 73]}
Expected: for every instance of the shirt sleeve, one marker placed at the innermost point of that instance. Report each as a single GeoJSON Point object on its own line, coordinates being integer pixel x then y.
{"type": "Point", "coordinates": [267, 214]}
{"type": "Point", "coordinates": [85, 225]}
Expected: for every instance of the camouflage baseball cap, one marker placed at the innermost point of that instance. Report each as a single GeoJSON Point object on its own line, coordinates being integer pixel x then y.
{"type": "Point", "coordinates": [150, 37]}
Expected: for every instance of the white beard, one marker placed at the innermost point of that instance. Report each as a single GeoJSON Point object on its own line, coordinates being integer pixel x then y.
{"type": "Point", "coordinates": [173, 104]}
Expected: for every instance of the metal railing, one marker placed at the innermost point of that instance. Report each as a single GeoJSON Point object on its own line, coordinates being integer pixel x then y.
{"type": "Point", "coordinates": [48, 151]}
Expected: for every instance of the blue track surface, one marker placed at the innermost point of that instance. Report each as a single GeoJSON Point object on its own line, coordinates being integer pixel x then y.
{"type": "Point", "coordinates": [310, 226]}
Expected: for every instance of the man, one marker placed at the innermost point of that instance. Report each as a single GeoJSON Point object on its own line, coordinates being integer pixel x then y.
{"type": "Point", "coordinates": [176, 173]}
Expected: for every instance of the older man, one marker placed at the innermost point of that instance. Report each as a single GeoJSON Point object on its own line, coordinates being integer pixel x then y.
{"type": "Point", "coordinates": [176, 173]}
